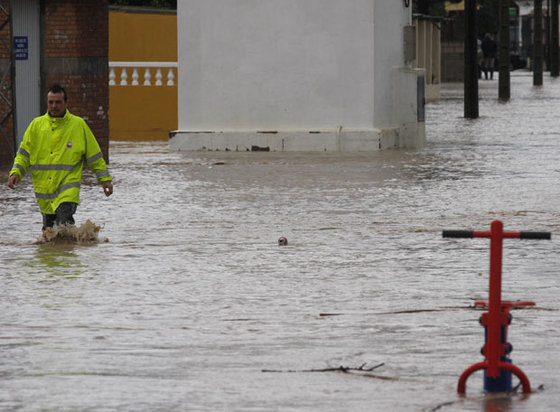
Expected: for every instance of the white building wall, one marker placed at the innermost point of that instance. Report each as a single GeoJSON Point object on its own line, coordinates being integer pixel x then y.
{"type": "Point", "coordinates": [388, 21]}
{"type": "Point", "coordinates": [292, 74]}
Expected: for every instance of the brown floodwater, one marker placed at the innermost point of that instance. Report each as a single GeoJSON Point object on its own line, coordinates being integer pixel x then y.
{"type": "Point", "coordinates": [185, 301]}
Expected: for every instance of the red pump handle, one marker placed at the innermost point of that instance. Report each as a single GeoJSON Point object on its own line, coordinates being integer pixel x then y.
{"type": "Point", "coordinates": [472, 233]}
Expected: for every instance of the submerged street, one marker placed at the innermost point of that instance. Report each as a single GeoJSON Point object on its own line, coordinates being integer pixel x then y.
{"type": "Point", "coordinates": [188, 303]}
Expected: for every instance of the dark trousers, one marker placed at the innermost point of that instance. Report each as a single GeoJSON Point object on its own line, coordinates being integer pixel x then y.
{"type": "Point", "coordinates": [488, 67]}
{"type": "Point", "coordinates": [64, 215]}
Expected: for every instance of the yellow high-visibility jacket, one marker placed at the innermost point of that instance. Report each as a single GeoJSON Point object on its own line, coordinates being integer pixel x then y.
{"type": "Point", "coordinates": [55, 149]}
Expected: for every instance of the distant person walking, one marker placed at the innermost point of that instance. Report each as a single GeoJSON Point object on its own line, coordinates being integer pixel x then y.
{"type": "Point", "coordinates": [55, 147]}
{"type": "Point", "coordinates": [489, 52]}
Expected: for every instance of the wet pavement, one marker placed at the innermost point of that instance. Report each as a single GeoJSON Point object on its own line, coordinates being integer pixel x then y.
{"type": "Point", "coordinates": [191, 304]}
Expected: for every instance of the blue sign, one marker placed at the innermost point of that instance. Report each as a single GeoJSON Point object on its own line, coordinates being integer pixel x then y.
{"type": "Point", "coordinates": [21, 50]}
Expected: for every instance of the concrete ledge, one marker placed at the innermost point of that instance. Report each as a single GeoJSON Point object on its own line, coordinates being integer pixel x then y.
{"type": "Point", "coordinates": [338, 140]}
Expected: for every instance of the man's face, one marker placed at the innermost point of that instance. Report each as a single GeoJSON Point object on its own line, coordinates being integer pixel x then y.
{"type": "Point", "coordinates": [56, 104]}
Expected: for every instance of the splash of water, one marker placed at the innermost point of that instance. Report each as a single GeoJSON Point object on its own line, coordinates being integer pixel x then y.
{"type": "Point", "coordinates": [87, 233]}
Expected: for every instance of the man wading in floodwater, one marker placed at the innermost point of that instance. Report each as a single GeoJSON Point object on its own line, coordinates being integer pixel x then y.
{"type": "Point", "coordinates": [54, 148]}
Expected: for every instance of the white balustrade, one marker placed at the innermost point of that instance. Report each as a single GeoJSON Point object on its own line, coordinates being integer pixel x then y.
{"type": "Point", "coordinates": [123, 76]}
{"type": "Point", "coordinates": [147, 77]}
{"type": "Point", "coordinates": [135, 76]}
{"type": "Point", "coordinates": [147, 67]}
{"type": "Point", "coordinates": [158, 77]}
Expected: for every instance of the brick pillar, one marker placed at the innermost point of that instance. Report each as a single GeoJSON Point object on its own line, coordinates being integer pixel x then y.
{"type": "Point", "coordinates": [75, 36]}
{"type": "Point", "coordinates": [7, 139]}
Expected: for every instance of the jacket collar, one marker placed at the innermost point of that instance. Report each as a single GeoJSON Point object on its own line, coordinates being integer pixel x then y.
{"type": "Point", "coordinates": [58, 119]}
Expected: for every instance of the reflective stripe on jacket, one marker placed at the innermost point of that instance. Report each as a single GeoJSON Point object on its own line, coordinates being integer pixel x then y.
{"type": "Point", "coordinates": [54, 149]}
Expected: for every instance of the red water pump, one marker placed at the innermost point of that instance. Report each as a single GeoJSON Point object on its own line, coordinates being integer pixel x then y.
{"type": "Point", "coordinates": [497, 366]}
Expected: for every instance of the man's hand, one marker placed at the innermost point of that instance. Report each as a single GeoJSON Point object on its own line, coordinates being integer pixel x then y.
{"type": "Point", "coordinates": [13, 181]}
{"type": "Point", "coordinates": [108, 188]}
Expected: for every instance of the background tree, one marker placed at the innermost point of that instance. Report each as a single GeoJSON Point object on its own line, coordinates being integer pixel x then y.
{"type": "Point", "coordinates": [487, 16]}
{"type": "Point", "coordinates": [430, 7]}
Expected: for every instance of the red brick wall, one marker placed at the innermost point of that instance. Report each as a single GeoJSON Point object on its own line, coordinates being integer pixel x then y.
{"type": "Point", "coordinates": [76, 49]}
{"type": "Point", "coordinates": [7, 140]}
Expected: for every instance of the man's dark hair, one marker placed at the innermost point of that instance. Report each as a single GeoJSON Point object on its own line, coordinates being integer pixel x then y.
{"type": "Point", "coordinates": [57, 88]}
